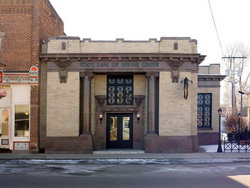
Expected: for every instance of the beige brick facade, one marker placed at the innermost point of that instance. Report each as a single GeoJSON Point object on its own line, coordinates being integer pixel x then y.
{"type": "Point", "coordinates": [165, 45]}
{"type": "Point", "coordinates": [158, 68]}
{"type": "Point", "coordinates": [140, 83]}
{"type": "Point", "coordinates": [215, 106]}
{"type": "Point", "coordinates": [63, 105]}
{"type": "Point", "coordinates": [209, 82]}
{"type": "Point", "coordinates": [100, 84]}
{"type": "Point", "coordinates": [177, 115]}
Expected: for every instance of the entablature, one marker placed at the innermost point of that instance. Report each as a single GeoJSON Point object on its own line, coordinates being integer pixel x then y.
{"type": "Point", "coordinates": [95, 57]}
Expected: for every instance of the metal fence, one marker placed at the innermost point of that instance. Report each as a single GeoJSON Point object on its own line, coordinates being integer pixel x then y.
{"type": "Point", "coordinates": [237, 145]}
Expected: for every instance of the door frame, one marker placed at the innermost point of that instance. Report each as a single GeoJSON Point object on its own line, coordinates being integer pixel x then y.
{"type": "Point", "coordinates": [119, 144]}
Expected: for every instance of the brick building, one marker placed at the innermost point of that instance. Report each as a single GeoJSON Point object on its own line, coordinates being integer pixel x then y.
{"type": "Point", "coordinates": [145, 95]}
{"type": "Point", "coordinates": [84, 95]}
{"type": "Point", "coordinates": [24, 26]}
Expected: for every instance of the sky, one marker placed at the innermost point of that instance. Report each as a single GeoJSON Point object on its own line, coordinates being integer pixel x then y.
{"type": "Point", "coordinates": [144, 19]}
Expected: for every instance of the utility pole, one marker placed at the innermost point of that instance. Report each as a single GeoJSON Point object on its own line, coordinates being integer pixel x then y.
{"type": "Point", "coordinates": [233, 79]}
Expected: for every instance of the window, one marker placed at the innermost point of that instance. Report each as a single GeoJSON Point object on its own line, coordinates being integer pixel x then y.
{"type": "Point", "coordinates": [120, 90]}
{"type": "Point", "coordinates": [204, 114]}
{"type": "Point", "coordinates": [175, 46]}
{"type": "Point", "coordinates": [22, 121]}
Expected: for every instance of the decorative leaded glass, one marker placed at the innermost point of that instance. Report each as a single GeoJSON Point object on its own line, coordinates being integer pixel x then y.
{"type": "Point", "coordinates": [204, 110]}
{"type": "Point", "coordinates": [111, 94]}
{"type": "Point", "coordinates": [120, 90]}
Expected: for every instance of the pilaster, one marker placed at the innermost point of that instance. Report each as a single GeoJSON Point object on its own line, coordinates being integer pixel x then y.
{"type": "Point", "coordinates": [151, 76]}
{"type": "Point", "coordinates": [86, 76]}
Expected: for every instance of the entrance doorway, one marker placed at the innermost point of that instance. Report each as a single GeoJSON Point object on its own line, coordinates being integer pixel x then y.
{"type": "Point", "coordinates": [120, 131]}
{"type": "Point", "coordinates": [4, 128]}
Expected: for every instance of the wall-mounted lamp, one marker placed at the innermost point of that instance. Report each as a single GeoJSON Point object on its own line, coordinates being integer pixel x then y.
{"type": "Point", "coordinates": [138, 116]}
{"type": "Point", "coordinates": [100, 117]}
{"type": "Point", "coordinates": [185, 81]}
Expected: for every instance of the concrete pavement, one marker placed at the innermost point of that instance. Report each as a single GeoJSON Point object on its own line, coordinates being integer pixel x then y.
{"type": "Point", "coordinates": [124, 155]}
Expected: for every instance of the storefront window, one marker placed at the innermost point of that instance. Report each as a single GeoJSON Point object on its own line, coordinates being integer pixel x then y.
{"type": "Point", "coordinates": [22, 121]}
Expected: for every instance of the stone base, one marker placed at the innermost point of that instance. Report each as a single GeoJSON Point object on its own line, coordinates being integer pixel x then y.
{"type": "Point", "coordinates": [208, 138]}
{"type": "Point", "coordinates": [69, 145]}
{"type": "Point", "coordinates": [170, 144]}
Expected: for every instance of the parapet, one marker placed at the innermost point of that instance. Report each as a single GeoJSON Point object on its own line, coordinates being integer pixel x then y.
{"type": "Point", "coordinates": [69, 44]}
{"type": "Point", "coordinates": [209, 69]}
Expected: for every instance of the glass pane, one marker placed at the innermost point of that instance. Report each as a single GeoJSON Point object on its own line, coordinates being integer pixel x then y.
{"type": "Point", "coordinates": [207, 99]}
{"type": "Point", "coordinates": [111, 94]}
{"type": "Point", "coordinates": [111, 80]}
{"type": "Point", "coordinates": [113, 128]}
{"type": "Point", "coordinates": [200, 99]}
{"type": "Point", "coordinates": [128, 95]}
{"type": "Point", "coordinates": [120, 95]}
{"type": "Point", "coordinates": [129, 81]}
{"type": "Point", "coordinates": [22, 121]}
{"type": "Point", "coordinates": [200, 116]}
{"type": "Point", "coordinates": [120, 81]}
{"type": "Point", "coordinates": [5, 124]}
{"type": "Point", "coordinates": [125, 128]}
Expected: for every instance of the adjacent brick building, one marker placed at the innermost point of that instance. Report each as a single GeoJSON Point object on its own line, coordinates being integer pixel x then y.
{"type": "Point", "coordinates": [25, 25]}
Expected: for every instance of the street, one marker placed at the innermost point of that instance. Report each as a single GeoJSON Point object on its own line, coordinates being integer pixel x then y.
{"type": "Point", "coordinates": [125, 173]}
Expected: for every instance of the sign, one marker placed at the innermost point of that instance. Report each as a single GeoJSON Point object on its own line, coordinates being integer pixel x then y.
{"type": "Point", "coordinates": [33, 74]}
{"type": "Point", "coordinates": [1, 75]}
{"type": "Point", "coordinates": [119, 65]}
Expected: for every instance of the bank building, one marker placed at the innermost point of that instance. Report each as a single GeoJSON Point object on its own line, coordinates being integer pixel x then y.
{"type": "Point", "coordinates": [142, 95]}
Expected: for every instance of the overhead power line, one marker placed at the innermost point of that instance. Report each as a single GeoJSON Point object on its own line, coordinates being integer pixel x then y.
{"type": "Point", "coordinates": [215, 27]}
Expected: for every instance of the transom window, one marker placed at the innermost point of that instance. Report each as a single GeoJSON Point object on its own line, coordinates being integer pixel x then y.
{"type": "Point", "coordinates": [120, 90]}
{"type": "Point", "coordinates": [204, 114]}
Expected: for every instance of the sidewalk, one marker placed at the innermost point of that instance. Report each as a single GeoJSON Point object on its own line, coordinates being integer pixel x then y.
{"type": "Point", "coordinates": [160, 156]}
{"type": "Point", "coordinates": [208, 152]}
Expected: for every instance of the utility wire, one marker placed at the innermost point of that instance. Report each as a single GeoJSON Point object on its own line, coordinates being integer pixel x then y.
{"type": "Point", "coordinates": [216, 28]}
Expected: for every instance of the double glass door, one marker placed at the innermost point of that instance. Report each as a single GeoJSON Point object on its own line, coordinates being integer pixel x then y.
{"type": "Point", "coordinates": [119, 130]}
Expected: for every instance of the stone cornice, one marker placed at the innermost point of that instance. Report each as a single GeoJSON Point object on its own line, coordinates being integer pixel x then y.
{"type": "Point", "coordinates": [210, 77]}
{"type": "Point", "coordinates": [94, 57]}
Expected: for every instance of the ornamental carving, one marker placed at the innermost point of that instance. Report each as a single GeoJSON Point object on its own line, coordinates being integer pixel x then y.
{"type": "Point", "coordinates": [87, 75]}
{"type": "Point", "coordinates": [63, 70]}
{"type": "Point", "coordinates": [175, 67]}
{"type": "Point", "coordinates": [149, 74]}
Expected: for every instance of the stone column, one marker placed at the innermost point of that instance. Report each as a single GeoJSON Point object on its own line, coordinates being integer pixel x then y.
{"type": "Point", "coordinates": [151, 101]}
{"type": "Point", "coordinates": [86, 87]}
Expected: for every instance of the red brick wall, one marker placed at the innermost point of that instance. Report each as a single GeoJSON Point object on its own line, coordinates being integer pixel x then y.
{"type": "Point", "coordinates": [15, 22]}
{"type": "Point", "coordinates": [26, 23]}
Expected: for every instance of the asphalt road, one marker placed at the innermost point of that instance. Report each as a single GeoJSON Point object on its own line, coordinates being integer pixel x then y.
{"type": "Point", "coordinates": [39, 173]}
